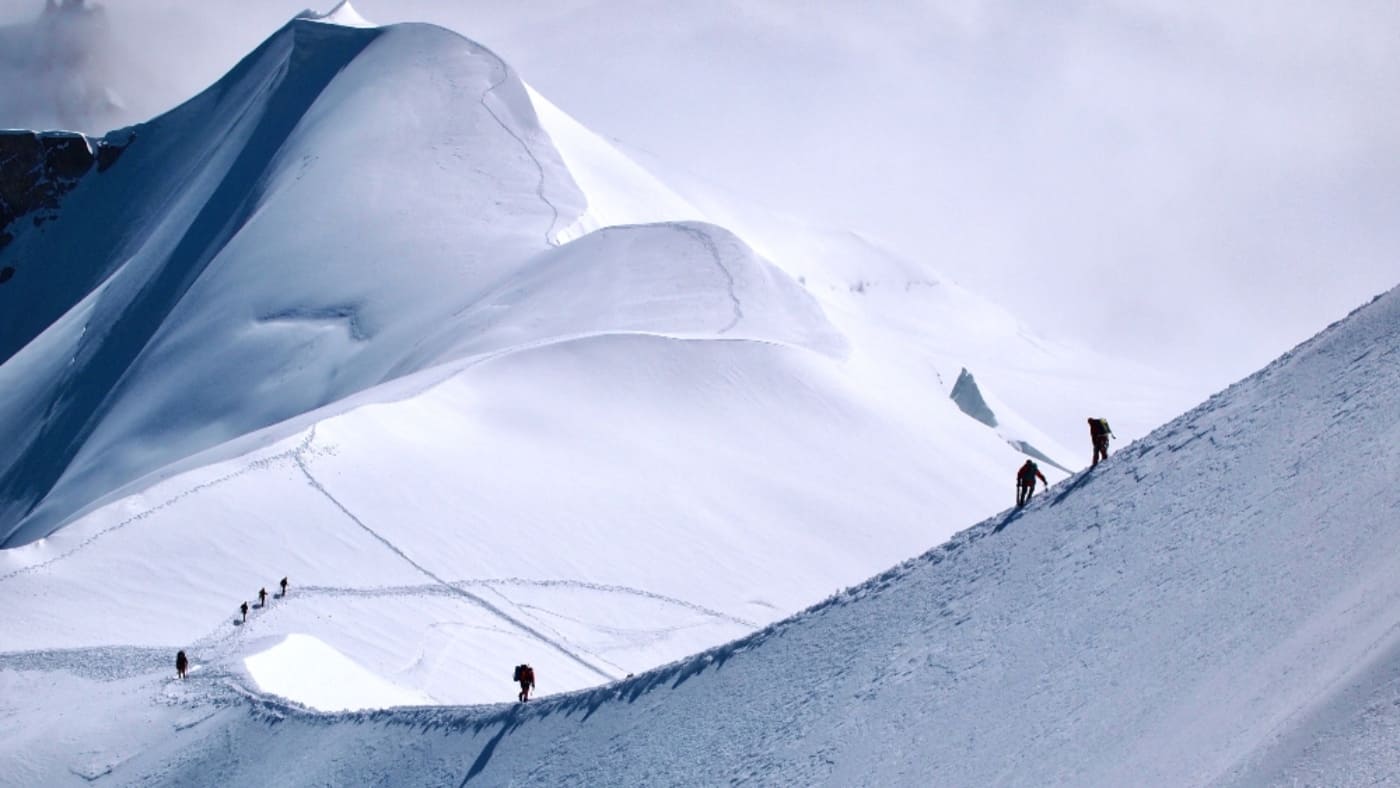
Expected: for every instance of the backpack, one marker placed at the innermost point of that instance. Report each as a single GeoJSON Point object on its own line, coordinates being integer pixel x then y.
{"type": "Point", "coordinates": [516, 677]}
{"type": "Point", "coordinates": [1101, 425]}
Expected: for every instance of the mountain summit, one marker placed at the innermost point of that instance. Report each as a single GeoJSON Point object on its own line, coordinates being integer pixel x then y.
{"type": "Point", "coordinates": [331, 215]}
{"type": "Point", "coordinates": [343, 14]}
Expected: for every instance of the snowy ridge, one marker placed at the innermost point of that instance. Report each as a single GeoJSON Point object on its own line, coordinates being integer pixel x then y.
{"type": "Point", "coordinates": [912, 330]}
{"type": "Point", "coordinates": [343, 14]}
{"type": "Point", "coordinates": [190, 281]}
{"type": "Point", "coordinates": [177, 260]}
{"type": "Point", "coordinates": [1214, 605]}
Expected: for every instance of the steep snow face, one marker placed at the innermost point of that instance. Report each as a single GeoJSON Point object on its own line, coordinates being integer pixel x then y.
{"type": "Point", "coordinates": [1213, 605]}
{"type": "Point", "coordinates": [617, 189]}
{"type": "Point", "coordinates": [240, 270]}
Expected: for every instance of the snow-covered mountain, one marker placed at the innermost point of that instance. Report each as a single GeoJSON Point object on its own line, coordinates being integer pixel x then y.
{"type": "Point", "coordinates": [371, 314]}
{"type": "Point", "coordinates": [1214, 605]}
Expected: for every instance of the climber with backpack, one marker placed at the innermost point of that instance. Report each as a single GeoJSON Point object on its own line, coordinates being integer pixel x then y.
{"type": "Point", "coordinates": [526, 676]}
{"type": "Point", "coordinates": [1025, 482]}
{"type": "Point", "coordinates": [1099, 433]}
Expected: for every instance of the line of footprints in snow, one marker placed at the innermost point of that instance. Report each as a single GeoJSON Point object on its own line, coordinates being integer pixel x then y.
{"type": "Point", "coordinates": [182, 662]}
{"type": "Point", "coordinates": [262, 601]}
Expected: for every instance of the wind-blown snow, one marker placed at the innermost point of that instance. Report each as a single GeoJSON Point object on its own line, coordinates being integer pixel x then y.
{"type": "Point", "coordinates": [324, 678]}
{"type": "Point", "coordinates": [344, 15]}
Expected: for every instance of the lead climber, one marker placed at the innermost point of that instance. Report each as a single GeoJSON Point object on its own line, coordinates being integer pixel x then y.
{"type": "Point", "coordinates": [1099, 433]}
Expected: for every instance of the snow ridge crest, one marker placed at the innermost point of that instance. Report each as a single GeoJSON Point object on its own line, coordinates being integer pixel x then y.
{"type": "Point", "coordinates": [343, 14]}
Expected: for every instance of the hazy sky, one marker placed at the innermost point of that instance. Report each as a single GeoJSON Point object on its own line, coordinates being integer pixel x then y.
{"type": "Point", "coordinates": [1207, 183]}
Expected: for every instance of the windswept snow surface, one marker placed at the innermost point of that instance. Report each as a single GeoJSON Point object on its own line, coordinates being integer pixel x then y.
{"type": "Point", "coordinates": [274, 245]}
{"type": "Point", "coordinates": [324, 678]}
{"type": "Point", "coordinates": [349, 317]}
{"type": "Point", "coordinates": [371, 315]}
{"type": "Point", "coordinates": [1215, 605]}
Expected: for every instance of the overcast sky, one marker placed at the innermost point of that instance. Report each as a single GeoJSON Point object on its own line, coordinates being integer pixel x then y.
{"type": "Point", "coordinates": [1203, 183]}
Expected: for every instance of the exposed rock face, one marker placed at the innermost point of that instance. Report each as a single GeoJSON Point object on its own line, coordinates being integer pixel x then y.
{"type": "Point", "coordinates": [67, 157]}
{"type": "Point", "coordinates": [37, 169]}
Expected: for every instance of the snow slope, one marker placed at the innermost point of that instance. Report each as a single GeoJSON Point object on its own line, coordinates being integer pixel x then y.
{"type": "Point", "coordinates": [1214, 605]}
{"type": "Point", "coordinates": [182, 254]}
{"type": "Point", "coordinates": [176, 324]}
{"type": "Point", "coordinates": [371, 315]}
{"type": "Point", "coordinates": [914, 328]}
{"type": "Point", "coordinates": [348, 316]}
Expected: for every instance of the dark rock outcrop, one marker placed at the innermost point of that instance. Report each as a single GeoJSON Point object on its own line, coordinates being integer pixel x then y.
{"type": "Point", "coordinates": [67, 157]}
{"type": "Point", "coordinates": [38, 168]}
{"type": "Point", "coordinates": [21, 169]}
{"type": "Point", "coordinates": [111, 147]}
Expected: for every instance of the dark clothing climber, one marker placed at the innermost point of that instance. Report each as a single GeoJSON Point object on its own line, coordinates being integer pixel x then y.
{"type": "Point", "coordinates": [1025, 482]}
{"type": "Point", "coordinates": [1099, 433]}
{"type": "Point", "coordinates": [182, 663]}
{"type": "Point", "coordinates": [243, 608]}
{"type": "Point", "coordinates": [262, 597]}
{"type": "Point", "coordinates": [526, 676]}
{"type": "Point", "coordinates": [284, 586]}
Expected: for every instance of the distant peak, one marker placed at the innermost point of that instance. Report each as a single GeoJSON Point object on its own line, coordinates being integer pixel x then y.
{"type": "Point", "coordinates": [343, 14]}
